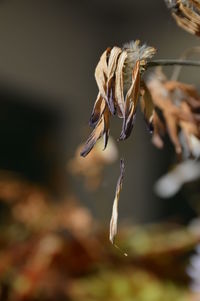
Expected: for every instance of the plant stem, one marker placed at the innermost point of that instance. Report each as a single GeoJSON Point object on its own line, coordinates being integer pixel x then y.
{"type": "Point", "coordinates": [172, 62]}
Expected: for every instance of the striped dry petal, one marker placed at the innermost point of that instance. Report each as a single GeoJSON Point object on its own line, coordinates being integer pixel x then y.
{"type": "Point", "coordinates": [131, 103]}
{"type": "Point", "coordinates": [101, 129]}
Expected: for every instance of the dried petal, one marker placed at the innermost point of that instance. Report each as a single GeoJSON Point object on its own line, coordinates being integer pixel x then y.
{"type": "Point", "coordinates": [158, 131]}
{"type": "Point", "coordinates": [101, 129]}
{"type": "Point", "coordinates": [101, 73]}
{"type": "Point", "coordinates": [188, 128]}
{"type": "Point", "coordinates": [114, 218]}
{"type": "Point", "coordinates": [171, 123]}
{"type": "Point", "coordinates": [112, 65]}
{"type": "Point", "coordinates": [106, 129]}
{"type": "Point", "coordinates": [98, 110]}
{"type": "Point", "coordinates": [119, 88]}
{"type": "Point", "coordinates": [131, 103]}
{"type": "Point", "coordinates": [172, 101]}
{"type": "Point", "coordinates": [147, 106]}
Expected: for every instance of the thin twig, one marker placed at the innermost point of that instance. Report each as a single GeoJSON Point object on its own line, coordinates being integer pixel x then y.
{"type": "Point", "coordinates": [172, 62]}
{"type": "Point", "coordinates": [188, 52]}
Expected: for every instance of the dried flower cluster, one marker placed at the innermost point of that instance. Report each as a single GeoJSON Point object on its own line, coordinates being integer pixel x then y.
{"type": "Point", "coordinates": [172, 107]}
{"type": "Point", "coordinates": [118, 76]}
{"type": "Point", "coordinates": [168, 106]}
{"type": "Point", "coordinates": [187, 14]}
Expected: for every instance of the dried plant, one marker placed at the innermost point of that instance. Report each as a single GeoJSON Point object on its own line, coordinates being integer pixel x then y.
{"type": "Point", "coordinates": [118, 75]}
{"type": "Point", "coordinates": [168, 106]}
{"type": "Point", "coordinates": [172, 107]}
{"type": "Point", "coordinates": [187, 14]}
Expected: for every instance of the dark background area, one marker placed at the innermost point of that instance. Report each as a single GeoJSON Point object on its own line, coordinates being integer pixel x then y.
{"type": "Point", "coordinates": [48, 53]}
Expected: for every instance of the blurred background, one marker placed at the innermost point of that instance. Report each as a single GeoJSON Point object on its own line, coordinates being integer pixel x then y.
{"type": "Point", "coordinates": [48, 54]}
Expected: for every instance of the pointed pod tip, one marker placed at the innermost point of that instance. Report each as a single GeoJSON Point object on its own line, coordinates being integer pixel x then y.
{"type": "Point", "coordinates": [85, 151]}
{"type": "Point", "coordinates": [83, 154]}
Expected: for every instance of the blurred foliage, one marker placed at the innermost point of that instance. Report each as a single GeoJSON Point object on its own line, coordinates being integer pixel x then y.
{"type": "Point", "coordinates": [54, 250]}
{"type": "Point", "coordinates": [130, 284]}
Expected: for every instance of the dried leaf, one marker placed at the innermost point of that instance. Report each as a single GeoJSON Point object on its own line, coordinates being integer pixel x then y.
{"type": "Point", "coordinates": [106, 129]}
{"type": "Point", "coordinates": [114, 218]}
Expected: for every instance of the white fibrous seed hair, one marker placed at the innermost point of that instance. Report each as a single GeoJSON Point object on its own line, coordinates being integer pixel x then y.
{"type": "Point", "coordinates": [135, 52]}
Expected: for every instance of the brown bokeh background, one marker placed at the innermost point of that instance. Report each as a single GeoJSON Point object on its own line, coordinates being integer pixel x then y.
{"type": "Point", "coordinates": [48, 52]}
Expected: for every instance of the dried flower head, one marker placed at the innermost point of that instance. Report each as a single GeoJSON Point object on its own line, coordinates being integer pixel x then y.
{"type": "Point", "coordinates": [187, 14]}
{"type": "Point", "coordinates": [118, 76]}
{"type": "Point", "coordinates": [172, 107]}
